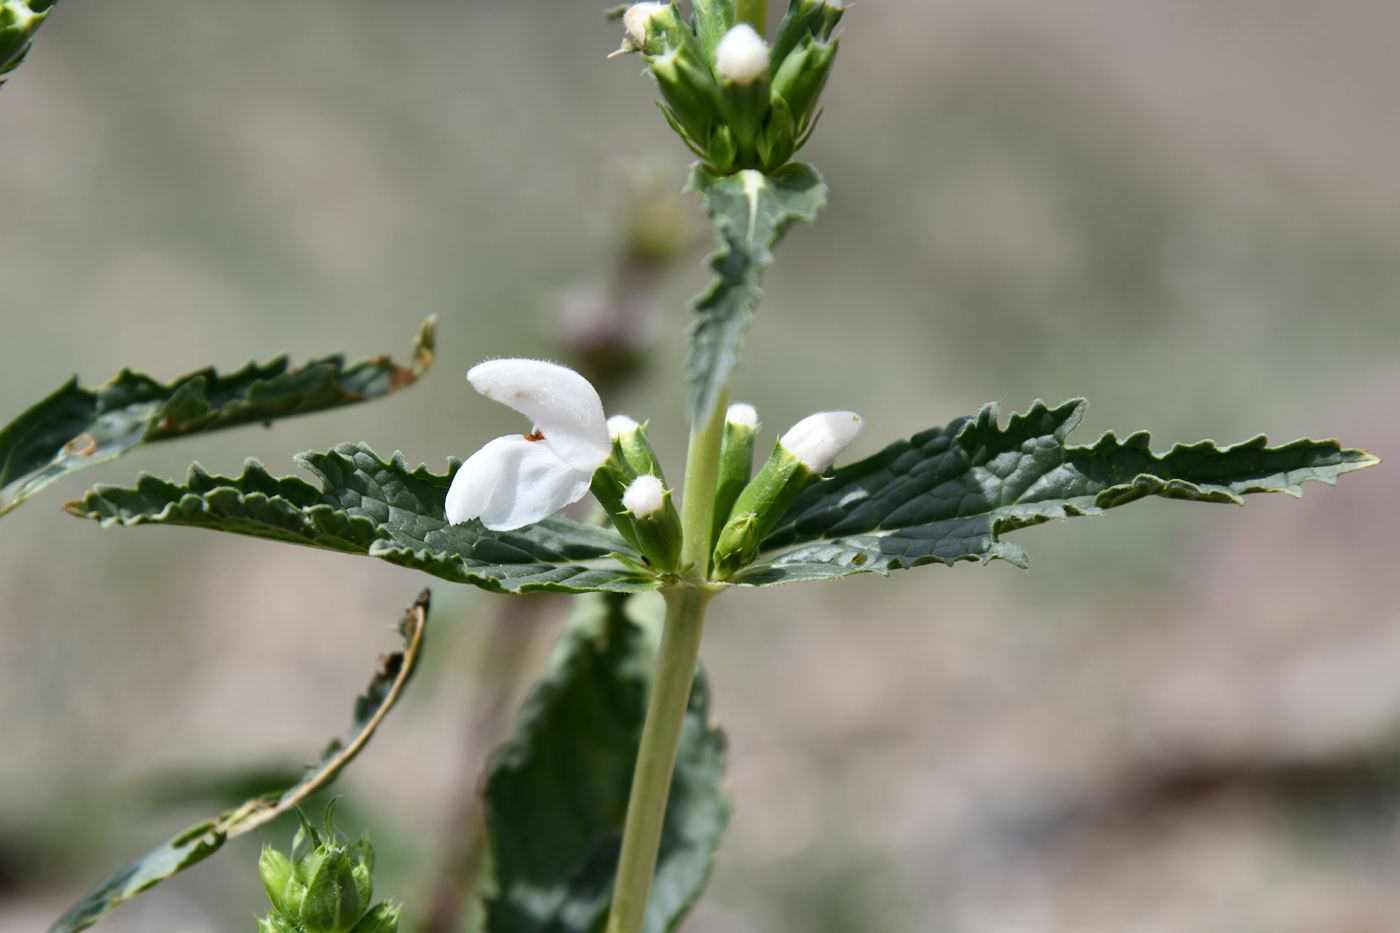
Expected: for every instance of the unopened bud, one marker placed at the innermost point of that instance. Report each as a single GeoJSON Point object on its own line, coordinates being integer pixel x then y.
{"type": "Point", "coordinates": [802, 76]}
{"type": "Point", "coordinates": [778, 141]}
{"type": "Point", "coordinates": [815, 18]}
{"type": "Point", "coordinates": [818, 439]}
{"type": "Point", "coordinates": [276, 870]}
{"type": "Point", "coordinates": [742, 56]}
{"type": "Point", "coordinates": [631, 456]}
{"type": "Point", "coordinates": [652, 28]}
{"type": "Point", "coordinates": [689, 90]}
{"type": "Point", "coordinates": [644, 496]}
{"type": "Point", "coordinates": [735, 461]}
{"type": "Point", "coordinates": [276, 923]}
{"type": "Point", "coordinates": [799, 458]}
{"type": "Point", "coordinates": [657, 524]}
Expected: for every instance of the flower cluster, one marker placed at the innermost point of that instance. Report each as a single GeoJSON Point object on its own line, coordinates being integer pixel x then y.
{"type": "Point", "coordinates": [324, 887]}
{"type": "Point", "coordinates": [520, 479]}
{"type": "Point", "coordinates": [736, 102]}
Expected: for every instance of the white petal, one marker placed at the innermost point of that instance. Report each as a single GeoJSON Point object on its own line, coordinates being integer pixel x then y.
{"type": "Point", "coordinates": [636, 18]}
{"type": "Point", "coordinates": [741, 56]}
{"type": "Point", "coordinates": [817, 439]}
{"type": "Point", "coordinates": [512, 482]}
{"type": "Point", "coordinates": [619, 425]}
{"type": "Point", "coordinates": [644, 496]}
{"type": "Point", "coordinates": [742, 414]}
{"type": "Point", "coordinates": [563, 405]}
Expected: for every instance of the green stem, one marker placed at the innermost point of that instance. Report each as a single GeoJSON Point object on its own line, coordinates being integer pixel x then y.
{"type": "Point", "coordinates": [701, 481]}
{"type": "Point", "coordinates": [753, 12]}
{"type": "Point", "coordinates": [656, 758]}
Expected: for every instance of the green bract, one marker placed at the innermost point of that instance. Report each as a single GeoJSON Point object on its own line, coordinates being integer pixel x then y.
{"type": "Point", "coordinates": [754, 116]}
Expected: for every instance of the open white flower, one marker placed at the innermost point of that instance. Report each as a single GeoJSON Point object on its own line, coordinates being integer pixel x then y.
{"type": "Point", "coordinates": [520, 479]}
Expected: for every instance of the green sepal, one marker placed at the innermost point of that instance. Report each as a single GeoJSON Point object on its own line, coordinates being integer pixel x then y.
{"type": "Point", "coordinates": [382, 918]}
{"type": "Point", "coordinates": [803, 76]}
{"type": "Point", "coordinates": [689, 88]}
{"type": "Point", "coordinates": [276, 870]}
{"type": "Point", "coordinates": [75, 428]}
{"type": "Point", "coordinates": [750, 212]}
{"type": "Point", "coordinates": [745, 110]}
{"type": "Point", "coordinates": [712, 19]}
{"type": "Point", "coordinates": [363, 854]}
{"type": "Point", "coordinates": [276, 923]}
{"type": "Point", "coordinates": [332, 903]}
{"type": "Point", "coordinates": [778, 141]}
{"type": "Point", "coordinates": [369, 507]}
{"type": "Point", "coordinates": [761, 505]}
{"type": "Point", "coordinates": [804, 18]}
{"type": "Point", "coordinates": [659, 534]}
{"type": "Point", "coordinates": [735, 470]}
{"type": "Point", "coordinates": [307, 850]}
{"type": "Point", "coordinates": [722, 152]}
{"type": "Point", "coordinates": [636, 449]}
{"type": "Point", "coordinates": [18, 23]}
{"type": "Point", "coordinates": [949, 494]}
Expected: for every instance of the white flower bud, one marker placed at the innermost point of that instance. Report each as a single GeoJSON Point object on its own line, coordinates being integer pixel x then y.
{"type": "Point", "coordinates": [619, 425]}
{"type": "Point", "coordinates": [741, 56]}
{"type": "Point", "coordinates": [742, 414]}
{"type": "Point", "coordinates": [645, 496]}
{"type": "Point", "coordinates": [818, 439]}
{"type": "Point", "coordinates": [636, 18]}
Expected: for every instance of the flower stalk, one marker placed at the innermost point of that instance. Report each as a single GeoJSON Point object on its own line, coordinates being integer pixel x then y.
{"type": "Point", "coordinates": [656, 758]}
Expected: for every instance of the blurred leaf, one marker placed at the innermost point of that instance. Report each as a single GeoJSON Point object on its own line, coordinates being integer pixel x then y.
{"type": "Point", "coordinates": [751, 212]}
{"type": "Point", "coordinates": [76, 428]}
{"type": "Point", "coordinates": [949, 493]}
{"type": "Point", "coordinates": [201, 841]}
{"type": "Point", "coordinates": [556, 793]}
{"type": "Point", "coordinates": [367, 506]}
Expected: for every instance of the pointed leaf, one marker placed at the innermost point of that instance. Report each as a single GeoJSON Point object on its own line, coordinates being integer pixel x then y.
{"type": "Point", "coordinates": [751, 212]}
{"type": "Point", "coordinates": [949, 493]}
{"type": "Point", "coordinates": [202, 841]}
{"type": "Point", "coordinates": [76, 428]}
{"type": "Point", "coordinates": [384, 510]}
{"type": "Point", "coordinates": [556, 793]}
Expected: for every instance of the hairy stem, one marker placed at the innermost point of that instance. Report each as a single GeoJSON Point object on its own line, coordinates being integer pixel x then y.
{"type": "Point", "coordinates": [753, 12]}
{"type": "Point", "coordinates": [651, 782]}
{"type": "Point", "coordinates": [698, 504]}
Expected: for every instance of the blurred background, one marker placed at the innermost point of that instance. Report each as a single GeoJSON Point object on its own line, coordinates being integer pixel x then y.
{"type": "Point", "coordinates": [1183, 717]}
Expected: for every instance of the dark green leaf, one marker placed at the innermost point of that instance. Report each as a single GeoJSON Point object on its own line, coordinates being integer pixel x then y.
{"type": "Point", "coordinates": [556, 793]}
{"type": "Point", "coordinates": [949, 493]}
{"type": "Point", "coordinates": [370, 507]}
{"type": "Point", "coordinates": [751, 212]}
{"type": "Point", "coordinates": [200, 842]}
{"type": "Point", "coordinates": [75, 427]}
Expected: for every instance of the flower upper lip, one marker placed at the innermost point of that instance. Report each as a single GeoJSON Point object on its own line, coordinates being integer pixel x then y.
{"type": "Point", "coordinates": [520, 479]}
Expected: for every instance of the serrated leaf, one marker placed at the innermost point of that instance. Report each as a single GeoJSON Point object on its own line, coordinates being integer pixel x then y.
{"type": "Point", "coordinates": [751, 212]}
{"type": "Point", "coordinates": [377, 509]}
{"type": "Point", "coordinates": [949, 493]}
{"type": "Point", "coordinates": [203, 840]}
{"type": "Point", "coordinates": [556, 793]}
{"type": "Point", "coordinates": [76, 428]}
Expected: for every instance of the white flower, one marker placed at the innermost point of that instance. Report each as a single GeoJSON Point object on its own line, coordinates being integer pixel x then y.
{"type": "Point", "coordinates": [619, 425]}
{"type": "Point", "coordinates": [517, 480]}
{"type": "Point", "coordinates": [645, 496]}
{"type": "Point", "coordinates": [741, 56]}
{"type": "Point", "coordinates": [818, 439]}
